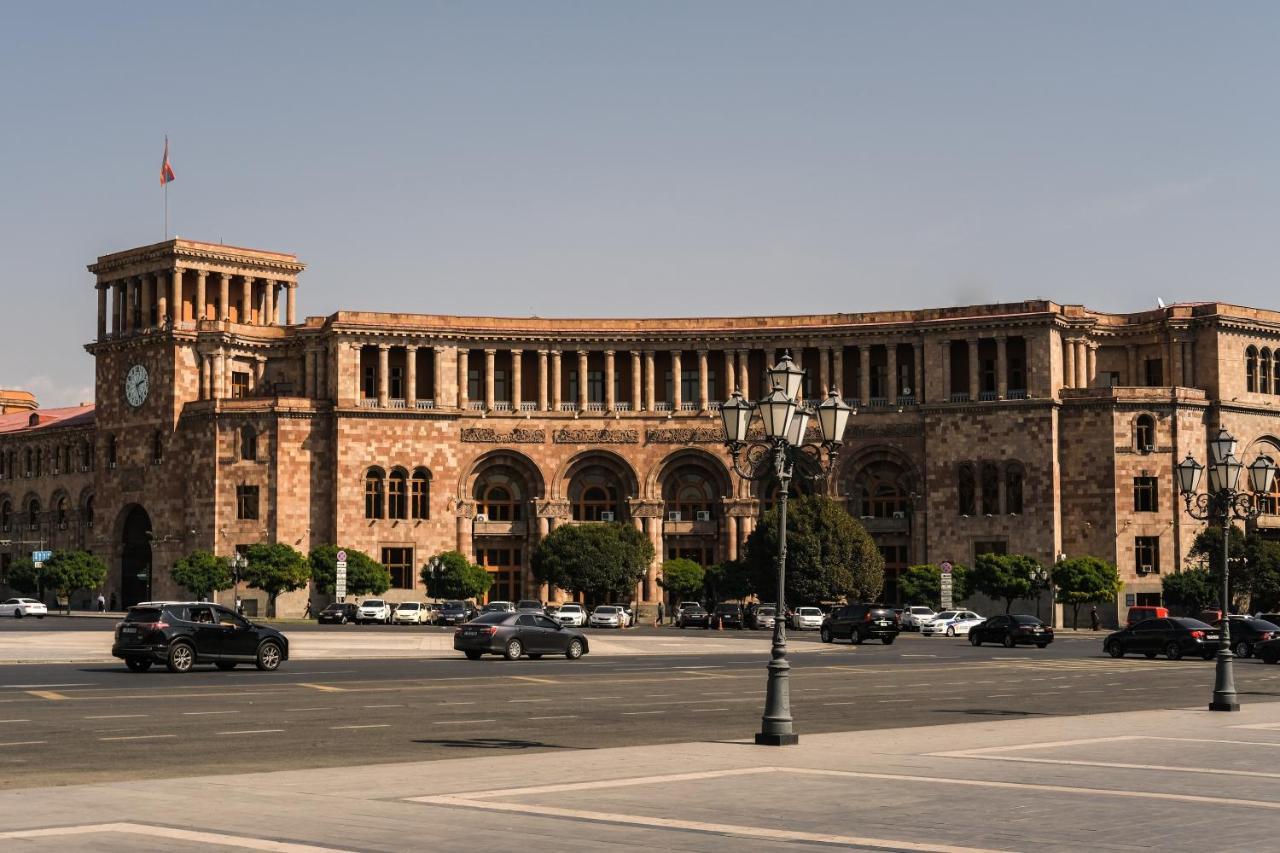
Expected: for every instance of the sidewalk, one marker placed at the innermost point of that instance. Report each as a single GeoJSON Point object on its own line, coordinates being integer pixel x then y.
{"type": "Point", "coordinates": [1167, 780]}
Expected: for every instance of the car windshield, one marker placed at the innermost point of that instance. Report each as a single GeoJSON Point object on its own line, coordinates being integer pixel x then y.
{"type": "Point", "coordinates": [766, 611]}
{"type": "Point", "coordinates": [491, 619]}
{"type": "Point", "coordinates": [606, 611]}
{"type": "Point", "coordinates": [570, 608]}
{"type": "Point", "coordinates": [408, 605]}
{"type": "Point", "coordinates": [529, 605]}
{"type": "Point", "coordinates": [921, 610]}
{"type": "Point", "coordinates": [454, 605]}
{"type": "Point", "coordinates": [947, 614]}
{"type": "Point", "coordinates": [373, 602]}
{"type": "Point", "coordinates": [1027, 620]}
{"type": "Point", "coordinates": [143, 614]}
{"type": "Point", "coordinates": [809, 611]}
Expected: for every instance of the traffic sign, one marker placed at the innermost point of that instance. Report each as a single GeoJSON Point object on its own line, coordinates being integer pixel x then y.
{"type": "Point", "coordinates": [342, 556]}
{"type": "Point", "coordinates": [340, 576]}
{"type": "Point", "coordinates": [946, 567]}
{"type": "Point", "coordinates": [38, 558]}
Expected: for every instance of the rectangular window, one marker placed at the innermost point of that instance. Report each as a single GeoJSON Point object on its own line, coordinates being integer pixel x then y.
{"type": "Point", "coordinates": [239, 385]}
{"type": "Point", "coordinates": [399, 561]}
{"type": "Point", "coordinates": [247, 503]}
{"type": "Point", "coordinates": [1146, 555]}
{"type": "Point", "coordinates": [1145, 494]}
{"type": "Point", "coordinates": [595, 386]}
{"type": "Point", "coordinates": [1154, 372]}
{"type": "Point", "coordinates": [992, 547]}
{"type": "Point", "coordinates": [474, 391]}
{"type": "Point", "coordinates": [1113, 379]}
{"type": "Point", "coordinates": [689, 386]}
{"type": "Point", "coordinates": [395, 387]}
{"type": "Point", "coordinates": [987, 374]}
{"type": "Point", "coordinates": [369, 382]}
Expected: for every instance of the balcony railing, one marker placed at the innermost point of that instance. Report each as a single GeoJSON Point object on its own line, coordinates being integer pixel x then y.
{"type": "Point", "coordinates": [878, 402]}
{"type": "Point", "coordinates": [502, 405]}
{"type": "Point", "coordinates": [475, 405]}
{"type": "Point", "coordinates": [529, 406]}
{"type": "Point", "coordinates": [395, 403]}
{"type": "Point", "coordinates": [595, 406]}
{"type": "Point", "coordinates": [1017, 393]}
{"type": "Point", "coordinates": [713, 406]}
{"type": "Point", "coordinates": [622, 407]}
{"type": "Point", "coordinates": [425, 404]}
{"type": "Point", "coordinates": [368, 403]}
{"type": "Point", "coordinates": [908, 400]}
{"type": "Point", "coordinates": [987, 396]}
{"type": "Point", "coordinates": [662, 407]}
{"type": "Point", "coordinates": [959, 396]}
{"type": "Point", "coordinates": [568, 407]}
{"type": "Point", "coordinates": [688, 406]}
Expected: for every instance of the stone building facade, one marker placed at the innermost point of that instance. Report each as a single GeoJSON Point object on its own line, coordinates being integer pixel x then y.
{"type": "Point", "coordinates": [223, 419]}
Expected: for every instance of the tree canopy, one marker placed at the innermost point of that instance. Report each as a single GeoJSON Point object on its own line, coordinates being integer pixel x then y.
{"type": "Point", "coordinates": [923, 584]}
{"type": "Point", "coordinates": [365, 575]}
{"type": "Point", "coordinates": [682, 578]}
{"type": "Point", "coordinates": [1004, 576]}
{"type": "Point", "coordinates": [68, 571]}
{"type": "Point", "coordinates": [1191, 591]}
{"type": "Point", "coordinates": [457, 578]}
{"type": "Point", "coordinates": [830, 556]}
{"type": "Point", "coordinates": [275, 568]}
{"type": "Point", "coordinates": [730, 581]}
{"type": "Point", "coordinates": [202, 572]}
{"type": "Point", "coordinates": [1255, 566]}
{"type": "Point", "coordinates": [601, 561]}
{"type": "Point", "coordinates": [23, 576]}
{"type": "Point", "coordinates": [1082, 580]}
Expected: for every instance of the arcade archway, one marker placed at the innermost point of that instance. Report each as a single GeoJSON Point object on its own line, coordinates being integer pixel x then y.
{"type": "Point", "coordinates": [135, 557]}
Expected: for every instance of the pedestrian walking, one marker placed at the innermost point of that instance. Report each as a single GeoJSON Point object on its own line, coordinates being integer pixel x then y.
{"type": "Point", "coordinates": [660, 614]}
{"type": "Point", "coordinates": [102, 603]}
{"type": "Point", "coordinates": [1094, 619]}
{"type": "Point", "coordinates": [306, 613]}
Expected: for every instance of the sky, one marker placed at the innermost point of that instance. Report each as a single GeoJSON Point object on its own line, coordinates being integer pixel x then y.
{"type": "Point", "coordinates": [602, 158]}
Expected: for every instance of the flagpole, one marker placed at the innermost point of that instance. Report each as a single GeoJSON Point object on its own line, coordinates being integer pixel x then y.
{"type": "Point", "coordinates": [166, 210]}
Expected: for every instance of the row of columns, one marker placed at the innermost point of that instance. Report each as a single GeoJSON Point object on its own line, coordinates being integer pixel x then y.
{"type": "Point", "coordinates": [127, 305]}
{"type": "Point", "coordinates": [1080, 363]}
{"type": "Point", "coordinates": [974, 379]}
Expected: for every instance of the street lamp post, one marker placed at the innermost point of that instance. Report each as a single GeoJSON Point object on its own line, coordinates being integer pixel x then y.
{"type": "Point", "coordinates": [775, 455]}
{"type": "Point", "coordinates": [238, 565]}
{"type": "Point", "coordinates": [1223, 503]}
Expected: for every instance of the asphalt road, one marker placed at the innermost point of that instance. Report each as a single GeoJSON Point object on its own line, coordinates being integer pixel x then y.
{"type": "Point", "coordinates": [64, 724]}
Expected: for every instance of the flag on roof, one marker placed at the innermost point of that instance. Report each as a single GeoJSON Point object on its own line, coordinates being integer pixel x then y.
{"type": "Point", "coordinates": [166, 171]}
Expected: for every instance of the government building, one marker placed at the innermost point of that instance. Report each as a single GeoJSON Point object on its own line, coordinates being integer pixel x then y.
{"type": "Point", "coordinates": [223, 417]}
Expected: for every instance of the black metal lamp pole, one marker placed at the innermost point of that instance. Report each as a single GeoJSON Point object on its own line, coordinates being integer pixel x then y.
{"type": "Point", "coordinates": [774, 457]}
{"type": "Point", "coordinates": [1223, 503]}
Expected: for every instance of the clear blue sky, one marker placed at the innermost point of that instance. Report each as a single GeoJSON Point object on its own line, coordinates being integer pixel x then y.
{"type": "Point", "coordinates": [643, 158]}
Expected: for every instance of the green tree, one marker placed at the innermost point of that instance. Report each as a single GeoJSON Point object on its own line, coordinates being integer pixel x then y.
{"type": "Point", "coordinates": [25, 577]}
{"type": "Point", "coordinates": [457, 578]}
{"type": "Point", "coordinates": [1085, 580]}
{"type": "Point", "coordinates": [69, 571]}
{"type": "Point", "coordinates": [924, 584]}
{"type": "Point", "coordinates": [830, 556]}
{"type": "Point", "coordinates": [365, 575]}
{"type": "Point", "coordinates": [1191, 591]}
{"type": "Point", "coordinates": [601, 561]}
{"type": "Point", "coordinates": [1004, 576]}
{"type": "Point", "coordinates": [202, 572]}
{"type": "Point", "coordinates": [1206, 553]}
{"type": "Point", "coordinates": [682, 578]}
{"type": "Point", "coordinates": [1262, 570]}
{"type": "Point", "coordinates": [730, 581]}
{"type": "Point", "coordinates": [274, 569]}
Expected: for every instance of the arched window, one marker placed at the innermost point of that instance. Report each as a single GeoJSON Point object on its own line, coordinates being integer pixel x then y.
{"type": "Point", "coordinates": [397, 494]}
{"type": "Point", "coordinates": [1251, 369]}
{"type": "Point", "coordinates": [594, 493]}
{"type": "Point", "coordinates": [497, 503]}
{"type": "Point", "coordinates": [1145, 433]}
{"type": "Point", "coordinates": [33, 513]}
{"type": "Point", "coordinates": [1013, 476]}
{"type": "Point", "coordinates": [157, 447]}
{"type": "Point", "coordinates": [880, 492]}
{"type": "Point", "coordinates": [111, 451]}
{"type": "Point", "coordinates": [500, 493]}
{"type": "Point", "coordinates": [374, 493]}
{"type": "Point", "coordinates": [967, 488]}
{"type": "Point", "coordinates": [6, 514]}
{"type": "Point", "coordinates": [1264, 372]}
{"type": "Point", "coordinates": [990, 489]}
{"type": "Point", "coordinates": [248, 443]}
{"type": "Point", "coordinates": [690, 490]}
{"type": "Point", "coordinates": [420, 494]}
{"type": "Point", "coordinates": [61, 509]}
{"type": "Point", "coordinates": [29, 464]}
{"type": "Point", "coordinates": [86, 456]}
{"type": "Point", "coordinates": [88, 511]}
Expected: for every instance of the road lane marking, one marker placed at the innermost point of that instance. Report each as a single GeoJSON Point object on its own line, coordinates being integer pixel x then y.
{"type": "Point", "coordinates": [48, 694]}
{"type": "Point", "coordinates": [365, 726]}
{"type": "Point", "coordinates": [528, 700]}
{"type": "Point", "coordinates": [67, 684]}
{"type": "Point", "coordinates": [136, 737]}
{"type": "Point", "coordinates": [381, 706]}
{"type": "Point", "coordinates": [559, 717]}
{"type": "Point", "coordinates": [23, 742]}
{"type": "Point", "coordinates": [638, 713]}
{"type": "Point", "coordinates": [204, 713]}
{"type": "Point", "coordinates": [210, 839]}
{"type": "Point", "coordinates": [459, 722]}
{"type": "Point", "coordinates": [15, 721]}
{"type": "Point", "coordinates": [885, 701]}
{"type": "Point", "coordinates": [115, 716]}
{"type": "Point", "coordinates": [705, 710]}
{"type": "Point", "coordinates": [535, 679]}
{"type": "Point", "coordinates": [1001, 695]}
{"type": "Point", "coordinates": [286, 710]}
{"type": "Point", "coordinates": [839, 703]}
{"type": "Point", "coordinates": [323, 687]}
{"type": "Point", "coordinates": [252, 732]}
{"type": "Point", "coordinates": [590, 698]}
{"type": "Point", "coordinates": [455, 703]}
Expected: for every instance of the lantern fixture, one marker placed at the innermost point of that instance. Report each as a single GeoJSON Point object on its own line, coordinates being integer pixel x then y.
{"type": "Point", "coordinates": [736, 414]}
{"type": "Point", "coordinates": [799, 426]}
{"type": "Point", "coordinates": [1222, 446]}
{"type": "Point", "coordinates": [1262, 474]}
{"type": "Point", "coordinates": [776, 412]}
{"type": "Point", "coordinates": [833, 417]}
{"type": "Point", "coordinates": [1189, 472]}
{"type": "Point", "coordinates": [786, 375]}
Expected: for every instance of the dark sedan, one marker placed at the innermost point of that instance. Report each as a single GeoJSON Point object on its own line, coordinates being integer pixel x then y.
{"type": "Point", "coordinates": [455, 612]}
{"type": "Point", "coordinates": [337, 614]}
{"type": "Point", "coordinates": [514, 634]}
{"type": "Point", "coordinates": [1268, 652]}
{"type": "Point", "coordinates": [1177, 637]}
{"type": "Point", "coordinates": [693, 617]}
{"type": "Point", "coordinates": [1247, 632]}
{"type": "Point", "coordinates": [727, 615]}
{"type": "Point", "coordinates": [1010, 631]}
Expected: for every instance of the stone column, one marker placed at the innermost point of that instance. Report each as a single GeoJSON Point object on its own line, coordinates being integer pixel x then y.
{"type": "Point", "coordinates": [384, 374]}
{"type": "Point", "coordinates": [544, 400]}
{"type": "Point", "coordinates": [544, 528]}
{"type": "Point", "coordinates": [411, 377]}
{"type": "Point", "coordinates": [130, 300]}
{"type": "Point", "coordinates": [731, 374]}
{"type": "Point", "coordinates": [224, 297]}
{"type": "Point", "coordinates": [704, 397]}
{"type": "Point", "coordinates": [649, 369]}
{"type": "Point", "coordinates": [557, 395]}
{"type": "Point", "coordinates": [490, 356]}
{"type": "Point", "coordinates": [1132, 352]}
{"type": "Point", "coordinates": [744, 372]}
{"type": "Point", "coordinates": [102, 310]}
{"type": "Point", "coordinates": [1069, 364]}
{"type": "Point", "coordinates": [864, 374]}
{"type": "Point", "coordinates": [837, 369]}
{"type": "Point", "coordinates": [202, 295]}
{"type": "Point", "coordinates": [944, 387]}
{"type": "Point", "coordinates": [637, 381]}
{"type": "Point", "coordinates": [162, 300]}
{"type": "Point", "coordinates": [460, 536]}
{"type": "Point", "coordinates": [246, 313]}
{"type": "Point", "coordinates": [271, 298]}
{"type": "Point", "coordinates": [1002, 366]}
{"type": "Point", "coordinates": [437, 376]}
{"type": "Point", "coordinates": [824, 371]}
{"type": "Point", "coordinates": [731, 526]}
{"type": "Point", "coordinates": [1092, 373]}
{"type": "Point", "coordinates": [517, 378]}
{"type": "Point", "coordinates": [677, 399]}
{"type": "Point", "coordinates": [918, 349]}
{"type": "Point", "coordinates": [464, 370]}
{"type": "Point", "coordinates": [219, 375]}
{"type": "Point", "coordinates": [608, 380]}
{"type": "Point", "coordinates": [582, 380]}
{"type": "Point", "coordinates": [975, 381]}
{"type": "Point", "coordinates": [206, 376]}
{"type": "Point", "coordinates": [291, 303]}
{"type": "Point", "coordinates": [147, 300]}
{"type": "Point", "coordinates": [175, 298]}
{"type": "Point", "coordinates": [891, 368]}
{"type": "Point", "coordinates": [1082, 364]}
{"type": "Point", "coordinates": [259, 368]}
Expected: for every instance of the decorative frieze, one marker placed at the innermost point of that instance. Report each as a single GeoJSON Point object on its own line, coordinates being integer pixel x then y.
{"type": "Point", "coordinates": [560, 509]}
{"type": "Point", "coordinates": [492, 436]}
{"type": "Point", "coordinates": [596, 436]}
{"type": "Point", "coordinates": [909, 430]}
{"type": "Point", "coordinates": [645, 508]}
{"type": "Point", "coordinates": [685, 435]}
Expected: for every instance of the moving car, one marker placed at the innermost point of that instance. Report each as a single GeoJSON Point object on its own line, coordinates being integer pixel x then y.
{"type": "Point", "coordinates": [726, 615]}
{"type": "Point", "coordinates": [859, 622]}
{"type": "Point", "coordinates": [692, 615]}
{"type": "Point", "coordinates": [763, 617]}
{"type": "Point", "coordinates": [953, 623]}
{"type": "Point", "coordinates": [1176, 636]}
{"type": "Point", "coordinates": [571, 614]}
{"type": "Point", "coordinates": [1247, 631]}
{"type": "Point", "coordinates": [455, 612]}
{"type": "Point", "coordinates": [498, 607]}
{"type": "Point", "coordinates": [410, 613]}
{"type": "Point", "coordinates": [806, 619]}
{"type": "Point", "coordinates": [514, 634]}
{"type": "Point", "coordinates": [20, 607]}
{"type": "Point", "coordinates": [373, 610]}
{"type": "Point", "coordinates": [606, 616]}
{"type": "Point", "coordinates": [338, 613]}
{"type": "Point", "coordinates": [913, 617]}
{"type": "Point", "coordinates": [183, 634]}
{"type": "Point", "coordinates": [1009, 631]}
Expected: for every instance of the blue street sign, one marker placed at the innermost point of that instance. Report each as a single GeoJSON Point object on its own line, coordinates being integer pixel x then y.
{"type": "Point", "coordinates": [40, 556]}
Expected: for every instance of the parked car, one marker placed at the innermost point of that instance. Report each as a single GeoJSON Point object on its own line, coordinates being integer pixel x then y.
{"type": "Point", "coordinates": [455, 612]}
{"type": "Point", "coordinates": [953, 623]}
{"type": "Point", "coordinates": [1268, 652]}
{"type": "Point", "coordinates": [1009, 631]}
{"type": "Point", "coordinates": [1176, 636]}
{"type": "Point", "coordinates": [606, 616]}
{"type": "Point", "coordinates": [859, 622]}
{"type": "Point", "coordinates": [571, 614]}
{"type": "Point", "coordinates": [531, 604]}
{"type": "Point", "coordinates": [498, 607]}
{"type": "Point", "coordinates": [1247, 631]}
{"type": "Point", "coordinates": [410, 613]}
{"type": "Point", "coordinates": [763, 617]}
{"type": "Point", "coordinates": [691, 615]}
{"type": "Point", "coordinates": [726, 615]}
{"type": "Point", "coordinates": [913, 617]}
{"type": "Point", "coordinates": [628, 618]}
{"type": "Point", "coordinates": [806, 619]}
{"type": "Point", "coordinates": [514, 634]}
{"type": "Point", "coordinates": [373, 610]}
{"type": "Point", "coordinates": [338, 613]}
{"type": "Point", "coordinates": [1143, 612]}
{"type": "Point", "coordinates": [183, 634]}
{"type": "Point", "coordinates": [20, 607]}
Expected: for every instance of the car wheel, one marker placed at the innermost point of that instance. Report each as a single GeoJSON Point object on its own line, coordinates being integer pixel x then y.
{"type": "Point", "coordinates": [1244, 649]}
{"type": "Point", "coordinates": [513, 651]}
{"type": "Point", "coordinates": [181, 657]}
{"type": "Point", "coordinates": [269, 656]}
{"type": "Point", "coordinates": [1042, 645]}
{"type": "Point", "coordinates": [951, 632]}
{"type": "Point", "coordinates": [225, 665]}
{"type": "Point", "coordinates": [975, 639]}
{"type": "Point", "coordinates": [1008, 641]}
{"type": "Point", "coordinates": [1173, 652]}
{"type": "Point", "coordinates": [1114, 649]}
{"type": "Point", "coordinates": [855, 638]}
{"type": "Point", "coordinates": [824, 634]}
{"type": "Point", "coordinates": [473, 655]}
{"type": "Point", "coordinates": [888, 641]}
{"type": "Point", "coordinates": [18, 614]}
{"type": "Point", "coordinates": [575, 649]}
{"type": "Point", "coordinates": [137, 664]}
{"type": "Point", "coordinates": [1271, 658]}
{"type": "Point", "coordinates": [1149, 655]}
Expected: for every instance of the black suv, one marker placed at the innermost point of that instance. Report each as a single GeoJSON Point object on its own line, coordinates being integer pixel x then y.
{"type": "Point", "coordinates": [861, 622]}
{"type": "Point", "coordinates": [692, 616]}
{"type": "Point", "coordinates": [726, 616]}
{"type": "Point", "coordinates": [182, 634]}
{"type": "Point", "coordinates": [338, 614]}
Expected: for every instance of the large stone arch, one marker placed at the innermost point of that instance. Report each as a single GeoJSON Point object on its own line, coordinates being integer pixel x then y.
{"type": "Point", "coordinates": [528, 471]}
{"type": "Point", "coordinates": [595, 482]}
{"type": "Point", "coordinates": [714, 465]}
{"type": "Point", "coordinates": [877, 461]}
{"type": "Point", "coordinates": [607, 458]}
{"type": "Point", "coordinates": [133, 532]}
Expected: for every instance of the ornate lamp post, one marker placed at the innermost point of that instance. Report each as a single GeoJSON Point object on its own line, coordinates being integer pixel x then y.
{"type": "Point", "coordinates": [238, 565]}
{"type": "Point", "coordinates": [775, 455]}
{"type": "Point", "coordinates": [1223, 503]}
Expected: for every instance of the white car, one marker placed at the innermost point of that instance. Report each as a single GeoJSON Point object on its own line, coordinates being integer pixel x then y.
{"type": "Point", "coordinates": [572, 615]}
{"type": "Point", "coordinates": [19, 607]}
{"type": "Point", "coordinates": [373, 610]}
{"type": "Point", "coordinates": [410, 613]}
{"type": "Point", "coordinates": [606, 616]}
{"type": "Point", "coordinates": [914, 617]}
{"type": "Point", "coordinates": [953, 623]}
{"type": "Point", "coordinates": [627, 616]}
{"type": "Point", "coordinates": [806, 619]}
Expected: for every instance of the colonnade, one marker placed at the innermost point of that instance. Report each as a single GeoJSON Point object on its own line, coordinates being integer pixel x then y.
{"type": "Point", "coordinates": [166, 298]}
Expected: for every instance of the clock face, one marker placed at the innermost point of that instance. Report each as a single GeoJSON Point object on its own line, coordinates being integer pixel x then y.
{"type": "Point", "coordinates": [136, 385]}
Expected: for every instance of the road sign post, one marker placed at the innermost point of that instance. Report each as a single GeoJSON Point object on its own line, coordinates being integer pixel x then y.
{"type": "Point", "coordinates": [946, 586]}
{"type": "Point", "coordinates": [340, 580]}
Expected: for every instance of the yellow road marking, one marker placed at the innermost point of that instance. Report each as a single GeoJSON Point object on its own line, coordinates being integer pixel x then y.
{"type": "Point", "coordinates": [535, 679]}
{"type": "Point", "coordinates": [48, 694]}
{"type": "Point", "coordinates": [325, 687]}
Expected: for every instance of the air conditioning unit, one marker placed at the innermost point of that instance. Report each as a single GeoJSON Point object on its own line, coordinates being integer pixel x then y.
{"type": "Point", "coordinates": [606, 516]}
{"type": "Point", "coordinates": [1145, 570]}
{"type": "Point", "coordinates": [673, 515]}
{"type": "Point", "coordinates": [702, 515]}
{"type": "Point", "coordinates": [480, 516]}
{"type": "Point", "coordinates": [899, 514]}
{"type": "Point", "coordinates": [1148, 448]}
{"type": "Point", "coordinates": [111, 465]}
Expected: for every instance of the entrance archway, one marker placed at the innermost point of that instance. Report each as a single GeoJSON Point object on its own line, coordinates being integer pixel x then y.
{"type": "Point", "coordinates": [135, 558]}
